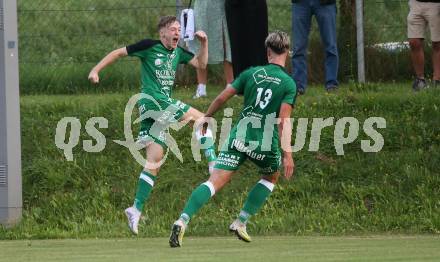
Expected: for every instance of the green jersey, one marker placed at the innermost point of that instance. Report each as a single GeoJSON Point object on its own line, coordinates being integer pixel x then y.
{"type": "Point", "coordinates": [264, 88]}
{"type": "Point", "coordinates": [158, 66]}
{"type": "Point", "coordinates": [158, 71]}
{"type": "Point", "coordinates": [255, 136]}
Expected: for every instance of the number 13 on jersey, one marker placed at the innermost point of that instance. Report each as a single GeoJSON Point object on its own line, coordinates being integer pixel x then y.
{"type": "Point", "coordinates": [263, 99]}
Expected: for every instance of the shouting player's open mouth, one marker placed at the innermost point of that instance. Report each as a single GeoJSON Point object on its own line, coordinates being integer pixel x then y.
{"type": "Point", "coordinates": [175, 41]}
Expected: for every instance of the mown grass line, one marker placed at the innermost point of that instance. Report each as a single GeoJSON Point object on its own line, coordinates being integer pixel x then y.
{"type": "Point", "coordinates": [274, 248]}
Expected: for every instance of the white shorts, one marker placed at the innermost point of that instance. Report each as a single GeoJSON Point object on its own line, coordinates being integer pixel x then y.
{"type": "Point", "coordinates": [422, 15]}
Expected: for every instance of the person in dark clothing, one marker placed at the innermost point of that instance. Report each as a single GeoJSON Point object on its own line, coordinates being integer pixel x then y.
{"type": "Point", "coordinates": [248, 28]}
{"type": "Point", "coordinates": [325, 14]}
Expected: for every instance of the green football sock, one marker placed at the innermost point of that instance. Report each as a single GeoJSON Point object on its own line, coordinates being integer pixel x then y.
{"type": "Point", "coordinates": [255, 200]}
{"type": "Point", "coordinates": [198, 198]}
{"type": "Point", "coordinates": [210, 151]}
{"type": "Point", "coordinates": [145, 184]}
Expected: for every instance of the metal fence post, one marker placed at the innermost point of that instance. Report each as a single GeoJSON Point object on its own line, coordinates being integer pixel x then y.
{"type": "Point", "coordinates": [360, 40]}
{"type": "Point", "coordinates": [10, 145]}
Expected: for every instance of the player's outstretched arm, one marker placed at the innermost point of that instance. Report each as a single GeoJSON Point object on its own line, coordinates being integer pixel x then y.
{"type": "Point", "coordinates": [107, 60]}
{"type": "Point", "coordinates": [222, 98]}
{"type": "Point", "coordinates": [285, 133]}
{"type": "Point", "coordinates": [201, 59]}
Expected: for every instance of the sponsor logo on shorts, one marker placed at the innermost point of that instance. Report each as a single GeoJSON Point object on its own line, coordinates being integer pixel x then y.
{"type": "Point", "coordinates": [239, 145]}
{"type": "Point", "coordinates": [229, 160]}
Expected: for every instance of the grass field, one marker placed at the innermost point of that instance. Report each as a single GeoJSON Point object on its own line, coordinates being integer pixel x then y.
{"type": "Point", "coordinates": [376, 248]}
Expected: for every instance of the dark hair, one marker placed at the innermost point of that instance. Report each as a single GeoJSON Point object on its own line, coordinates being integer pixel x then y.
{"type": "Point", "coordinates": [165, 21]}
{"type": "Point", "coordinates": [278, 42]}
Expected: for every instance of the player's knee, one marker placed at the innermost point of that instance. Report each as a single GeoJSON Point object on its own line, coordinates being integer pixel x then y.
{"type": "Point", "coordinates": [272, 179]}
{"type": "Point", "coordinates": [154, 159]}
{"type": "Point", "coordinates": [218, 181]}
{"type": "Point", "coordinates": [268, 184]}
{"type": "Point", "coordinates": [153, 163]}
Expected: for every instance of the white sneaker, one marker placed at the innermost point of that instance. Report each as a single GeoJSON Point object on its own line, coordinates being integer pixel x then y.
{"type": "Point", "coordinates": [133, 216]}
{"type": "Point", "coordinates": [201, 92]}
{"type": "Point", "coordinates": [239, 229]}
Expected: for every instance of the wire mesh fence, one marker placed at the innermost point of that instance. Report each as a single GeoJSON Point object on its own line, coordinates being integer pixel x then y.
{"type": "Point", "coordinates": [386, 48]}
{"type": "Point", "coordinates": [61, 40]}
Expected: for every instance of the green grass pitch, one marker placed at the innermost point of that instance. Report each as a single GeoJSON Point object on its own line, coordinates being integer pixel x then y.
{"type": "Point", "coordinates": [268, 249]}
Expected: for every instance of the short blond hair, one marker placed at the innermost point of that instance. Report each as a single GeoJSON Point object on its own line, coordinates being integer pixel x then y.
{"type": "Point", "coordinates": [165, 21]}
{"type": "Point", "coordinates": [278, 41]}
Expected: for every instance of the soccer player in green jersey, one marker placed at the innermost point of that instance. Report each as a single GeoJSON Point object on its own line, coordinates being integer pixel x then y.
{"type": "Point", "coordinates": [159, 61]}
{"type": "Point", "coordinates": [262, 135]}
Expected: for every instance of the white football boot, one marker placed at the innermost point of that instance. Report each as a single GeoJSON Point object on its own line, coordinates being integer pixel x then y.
{"type": "Point", "coordinates": [239, 228]}
{"type": "Point", "coordinates": [133, 216]}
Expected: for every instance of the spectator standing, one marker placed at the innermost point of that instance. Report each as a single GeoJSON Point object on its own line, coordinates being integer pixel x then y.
{"type": "Point", "coordinates": [423, 15]}
{"type": "Point", "coordinates": [209, 16]}
{"type": "Point", "coordinates": [248, 29]}
{"type": "Point", "coordinates": [325, 14]}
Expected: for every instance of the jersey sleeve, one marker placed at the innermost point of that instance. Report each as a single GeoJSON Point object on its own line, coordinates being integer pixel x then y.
{"type": "Point", "coordinates": [290, 93]}
{"type": "Point", "coordinates": [139, 49]}
{"type": "Point", "coordinates": [185, 56]}
{"type": "Point", "coordinates": [240, 82]}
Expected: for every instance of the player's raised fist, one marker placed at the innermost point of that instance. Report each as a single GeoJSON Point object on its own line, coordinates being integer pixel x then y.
{"type": "Point", "coordinates": [201, 36]}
